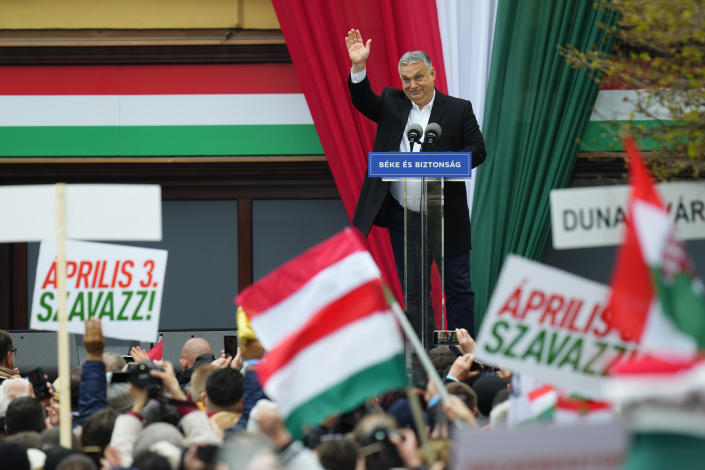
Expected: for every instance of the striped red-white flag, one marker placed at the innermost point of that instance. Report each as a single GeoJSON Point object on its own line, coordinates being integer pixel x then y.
{"type": "Point", "coordinates": [657, 299]}
{"type": "Point", "coordinates": [332, 340]}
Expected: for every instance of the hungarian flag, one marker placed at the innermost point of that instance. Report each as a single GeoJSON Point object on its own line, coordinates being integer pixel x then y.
{"type": "Point", "coordinates": [572, 409]}
{"type": "Point", "coordinates": [657, 300]}
{"type": "Point", "coordinates": [331, 339]}
{"type": "Point", "coordinates": [547, 404]}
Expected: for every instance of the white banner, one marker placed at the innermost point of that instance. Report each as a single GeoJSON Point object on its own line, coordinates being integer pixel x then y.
{"type": "Point", "coordinates": [588, 217]}
{"type": "Point", "coordinates": [113, 212]}
{"type": "Point", "coordinates": [120, 285]}
{"type": "Point", "coordinates": [550, 324]}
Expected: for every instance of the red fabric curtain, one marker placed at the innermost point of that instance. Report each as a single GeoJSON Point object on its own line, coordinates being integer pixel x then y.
{"type": "Point", "coordinates": [314, 31]}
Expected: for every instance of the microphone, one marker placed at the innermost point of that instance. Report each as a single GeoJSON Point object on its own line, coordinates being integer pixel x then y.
{"type": "Point", "coordinates": [414, 134]}
{"type": "Point", "coordinates": [433, 133]}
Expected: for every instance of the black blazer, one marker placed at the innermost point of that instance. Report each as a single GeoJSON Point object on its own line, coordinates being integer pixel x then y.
{"type": "Point", "coordinates": [460, 133]}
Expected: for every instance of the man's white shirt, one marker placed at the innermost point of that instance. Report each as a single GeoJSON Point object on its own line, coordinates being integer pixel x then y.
{"type": "Point", "coordinates": [413, 185]}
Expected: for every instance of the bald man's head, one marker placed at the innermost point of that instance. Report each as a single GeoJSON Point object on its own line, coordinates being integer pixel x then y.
{"type": "Point", "coordinates": [193, 348]}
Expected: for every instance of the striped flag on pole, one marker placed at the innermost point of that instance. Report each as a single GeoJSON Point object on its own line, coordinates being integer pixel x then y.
{"type": "Point", "coordinates": [332, 340]}
{"type": "Point", "coordinates": [657, 299]}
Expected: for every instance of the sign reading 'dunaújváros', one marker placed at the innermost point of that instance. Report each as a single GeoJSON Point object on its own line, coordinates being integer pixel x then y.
{"type": "Point", "coordinates": [120, 285]}
{"type": "Point", "coordinates": [587, 217]}
{"type": "Point", "coordinates": [550, 324]}
{"type": "Point", "coordinates": [419, 164]}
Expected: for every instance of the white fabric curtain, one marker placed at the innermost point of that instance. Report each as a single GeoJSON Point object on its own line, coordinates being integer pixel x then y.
{"type": "Point", "coordinates": [467, 29]}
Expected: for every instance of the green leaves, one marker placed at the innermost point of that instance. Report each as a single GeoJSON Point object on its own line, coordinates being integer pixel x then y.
{"type": "Point", "coordinates": [660, 49]}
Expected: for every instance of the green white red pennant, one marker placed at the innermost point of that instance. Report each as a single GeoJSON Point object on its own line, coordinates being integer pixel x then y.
{"type": "Point", "coordinates": [657, 300]}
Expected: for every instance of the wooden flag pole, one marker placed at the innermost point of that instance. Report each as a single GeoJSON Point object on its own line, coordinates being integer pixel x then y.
{"type": "Point", "coordinates": [62, 339]}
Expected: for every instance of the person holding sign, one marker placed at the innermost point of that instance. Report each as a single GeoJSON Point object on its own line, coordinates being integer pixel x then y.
{"type": "Point", "coordinates": [382, 203]}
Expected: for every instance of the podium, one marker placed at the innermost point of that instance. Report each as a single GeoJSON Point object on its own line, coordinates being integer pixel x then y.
{"type": "Point", "coordinates": [417, 183]}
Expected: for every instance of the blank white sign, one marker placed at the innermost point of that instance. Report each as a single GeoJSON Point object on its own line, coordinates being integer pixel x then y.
{"type": "Point", "coordinates": [117, 212]}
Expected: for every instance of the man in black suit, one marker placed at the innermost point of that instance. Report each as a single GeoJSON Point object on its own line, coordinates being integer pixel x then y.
{"type": "Point", "coordinates": [381, 202]}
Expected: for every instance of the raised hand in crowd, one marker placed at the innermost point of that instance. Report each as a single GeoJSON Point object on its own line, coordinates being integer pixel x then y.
{"type": "Point", "coordinates": [169, 381]}
{"type": "Point", "coordinates": [93, 340]}
{"type": "Point", "coordinates": [52, 411]}
{"type": "Point", "coordinates": [460, 370]}
{"type": "Point", "coordinates": [466, 343]}
{"type": "Point", "coordinates": [456, 410]}
{"type": "Point", "coordinates": [358, 51]}
{"type": "Point", "coordinates": [228, 361]}
{"type": "Point", "coordinates": [92, 393]}
{"type": "Point", "coordinates": [138, 354]}
{"type": "Point", "coordinates": [140, 397]}
{"type": "Point", "coordinates": [111, 459]}
{"type": "Point", "coordinates": [191, 460]}
{"type": "Point", "coordinates": [237, 360]}
{"type": "Point", "coordinates": [407, 447]}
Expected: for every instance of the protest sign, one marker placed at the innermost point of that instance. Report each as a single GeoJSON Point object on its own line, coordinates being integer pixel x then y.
{"type": "Point", "coordinates": [588, 217]}
{"type": "Point", "coordinates": [102, 212]}
{"type": "Point", "coordinates": [120, 285]}
{"type": "Point", "coordinates": [596, 447]}
{"type": "Point", "coordinates": [551, 324]}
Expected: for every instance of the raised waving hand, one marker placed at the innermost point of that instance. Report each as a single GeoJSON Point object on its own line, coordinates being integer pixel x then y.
{"type": "Point", "coordinates": [358, 51]}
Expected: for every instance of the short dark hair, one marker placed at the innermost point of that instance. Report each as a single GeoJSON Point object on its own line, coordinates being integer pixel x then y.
{"type": "Point", "coordinates": [500, 397]}
{"type": "Point", "coordinates": [24, 414]}
{"type": "Point", "coordinates": [224, 387]}
{"type": "Point", "coordinates": [486, 387]}
{"type": "Point", "coordinates": [5, 344]}
{"type": "Point", "coordinates": [337, 454]}
{"type": "Point", "coordinates": [442, 358]}
{"type": "Point", "coordinates": [465, 393]}
{"type": "Point", "coordinates": [152, 461]}
{"type": "Point", "coordinates": [96, 433]}
{"type": "Point", "coordinates": [76, 462]}
{"type": "Point", "coordinates": [28, 439]}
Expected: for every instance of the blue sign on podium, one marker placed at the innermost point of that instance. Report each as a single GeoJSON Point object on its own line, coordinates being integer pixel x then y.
{"type": "Point", "coordinates": [419, 164]}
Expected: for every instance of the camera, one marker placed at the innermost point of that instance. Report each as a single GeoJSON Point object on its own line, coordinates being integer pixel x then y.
{"type": "Point", "coordinates": [378, 450]}
{"type": "Point", "coordinates": [138, 375]}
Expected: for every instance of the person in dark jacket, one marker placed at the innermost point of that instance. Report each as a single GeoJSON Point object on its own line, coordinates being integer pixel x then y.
{"type": "Point", "coordinates": [398, 205]}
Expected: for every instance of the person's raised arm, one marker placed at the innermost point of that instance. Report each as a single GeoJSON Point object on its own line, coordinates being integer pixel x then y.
{"type": "Point", "coordinates": [358, 51]}
{"type": "Point", "coordinates": [363, 98]}
{"type": "Point", "coordinates": [92, 394]}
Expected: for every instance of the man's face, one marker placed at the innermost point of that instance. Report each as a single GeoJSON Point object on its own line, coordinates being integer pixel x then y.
{"type": "Point", "coordinates": [417, 82]}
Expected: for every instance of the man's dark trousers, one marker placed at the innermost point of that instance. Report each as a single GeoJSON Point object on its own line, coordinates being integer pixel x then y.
{"type": "Point", "coordinates": [460, 298]}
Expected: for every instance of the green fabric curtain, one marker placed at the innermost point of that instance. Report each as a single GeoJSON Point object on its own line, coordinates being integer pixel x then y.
{"type": "Point", "coordinates": [537, 109]}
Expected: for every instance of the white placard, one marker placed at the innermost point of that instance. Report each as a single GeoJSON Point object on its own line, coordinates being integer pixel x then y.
{"type": "Point", "coordinates": [588, 217]}
{"type": "Point", "coordinates": [550, 324]}
{"type": "Point", "coordinates": [594, 447]}
{"type": "Point", "coordinates": [120, 285]}
{"type": "Point", "coordinates": [93, 212]}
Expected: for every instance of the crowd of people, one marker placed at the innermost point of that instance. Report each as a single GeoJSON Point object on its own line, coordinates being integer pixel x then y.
{"type": "Point", "coordinates": [212, 413]}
